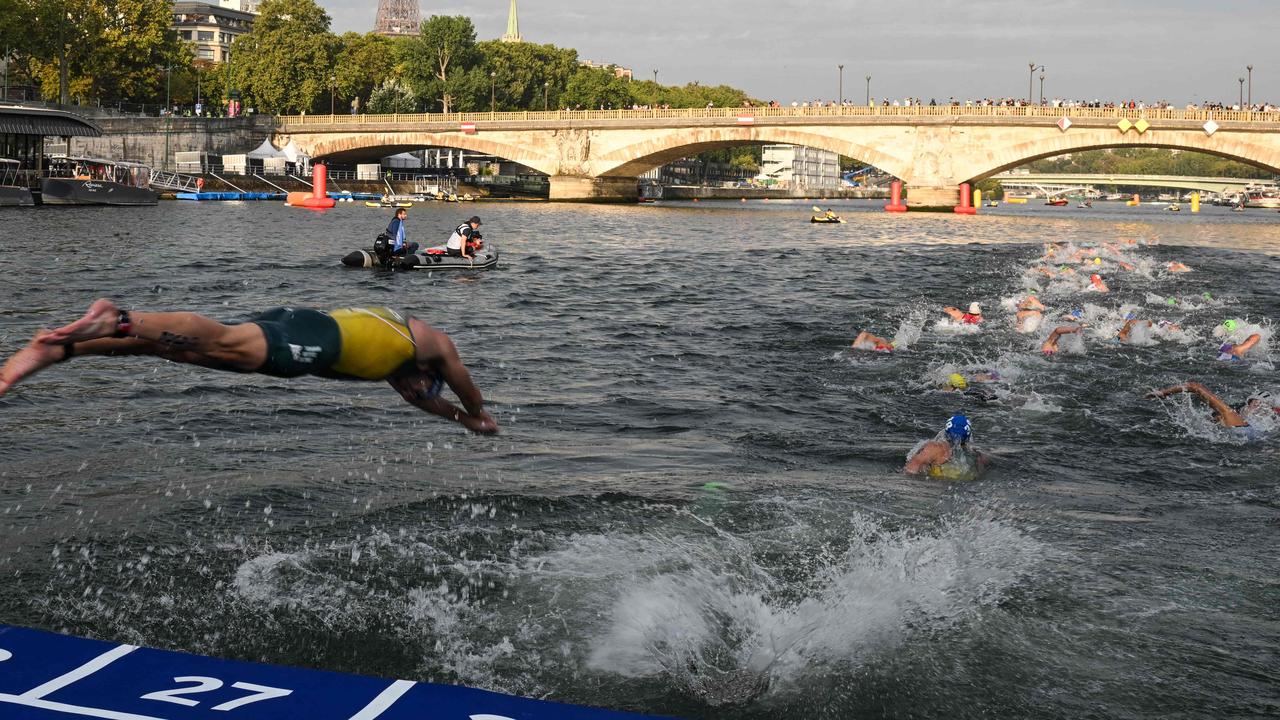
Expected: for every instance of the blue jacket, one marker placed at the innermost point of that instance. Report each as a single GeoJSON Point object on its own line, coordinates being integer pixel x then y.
{"type": "Point", "coordinates": [396, 231]}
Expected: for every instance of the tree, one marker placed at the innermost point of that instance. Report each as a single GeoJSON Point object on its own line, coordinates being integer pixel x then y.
{"type": "Point", "coordinates": [284, 63]}
{"type": "Point", "coordinates": [528, 74]}
{"type": "Point", "coordinates": [392, 96]}
{"type": "Point", "coordinates": [364, 63]}
{"type": "Point", "coordinates": [441, 57]}
{"type": "Point", "coordinates": [593, 88]}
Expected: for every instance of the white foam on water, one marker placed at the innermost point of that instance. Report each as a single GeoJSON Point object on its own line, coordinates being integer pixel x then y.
{"type": "Point", "coordinates": [705, 615]}
{"type": "Point", "coordinates": [1037, 403]}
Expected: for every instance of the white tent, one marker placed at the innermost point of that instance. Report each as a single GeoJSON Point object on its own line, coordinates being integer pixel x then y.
{"type": "Point", "coordinates": [293, 153]}
{"type": "Point", "coordinates": [265, 150]}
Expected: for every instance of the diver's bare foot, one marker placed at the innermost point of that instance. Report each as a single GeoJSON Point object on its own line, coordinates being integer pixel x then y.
{"type": "Point", "coordinates": [99, 322]}
{"type": "Point", "coordinates": [33, 358]}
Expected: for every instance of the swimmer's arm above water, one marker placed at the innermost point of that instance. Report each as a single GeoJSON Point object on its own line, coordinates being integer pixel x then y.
{"type": "Point", "coordinates": [1226, 414]}
{"type": "Point", "coordinates": [955, 313]}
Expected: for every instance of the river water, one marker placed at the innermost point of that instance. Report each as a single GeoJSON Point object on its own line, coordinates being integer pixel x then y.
{"type": "Point", "coordinates": [695, 506]}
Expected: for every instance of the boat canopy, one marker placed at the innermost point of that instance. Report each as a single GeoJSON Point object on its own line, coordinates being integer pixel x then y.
{"type": "Point", "coordinates": [22, 120]}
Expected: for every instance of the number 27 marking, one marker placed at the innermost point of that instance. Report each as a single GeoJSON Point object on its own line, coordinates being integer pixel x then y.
{"type": "Point", "coordinates": [208, 684]}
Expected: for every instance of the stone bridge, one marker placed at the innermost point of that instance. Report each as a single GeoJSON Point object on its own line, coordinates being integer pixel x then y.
{"type": "Point", "coordinates": [597, 155]}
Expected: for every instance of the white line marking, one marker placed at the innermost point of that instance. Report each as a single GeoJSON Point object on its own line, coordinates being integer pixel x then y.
{"type": "Point", "coordinates": [71, 709]}
{"type": "Point", "coordinates": [385, 699]}
{"type": "Point", "coordinates": [80, 673]}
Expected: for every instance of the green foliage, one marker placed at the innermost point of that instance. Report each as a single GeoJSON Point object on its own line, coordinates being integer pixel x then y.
{"type": "Point", "coordinates": [1147, 161]}
{"type": "Point", "coordinates": [392, 96]}
{"type": "Point", "coordinates": [284, 64]}
{"type": "Point", "coordinates": [528, 76]}
{"type": "Point", "coordinates": [692, 95]}
{"type": "Point", "coordinates": [595, 88]}
{"type": "Point", "coordinates": [363, 63]}
{"type": "Point", "coordinates": [439, 60]}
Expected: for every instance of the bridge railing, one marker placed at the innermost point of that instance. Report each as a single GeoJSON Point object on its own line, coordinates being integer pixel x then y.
{"type": "Point", "coordinates": [736, 113]}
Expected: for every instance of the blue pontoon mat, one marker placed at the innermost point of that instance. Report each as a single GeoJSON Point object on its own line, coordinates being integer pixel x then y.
{"type": "Point", "coordinates": [229, 196]}
{"type": "Point", "coordinates": [44, 676]}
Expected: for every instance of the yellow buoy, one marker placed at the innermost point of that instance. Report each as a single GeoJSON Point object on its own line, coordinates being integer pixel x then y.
{"type": "Point", "coordinates": [1195, 202]}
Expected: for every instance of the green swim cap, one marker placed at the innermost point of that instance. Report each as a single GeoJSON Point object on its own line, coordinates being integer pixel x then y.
{"type": "Point", "coordinates": [1230, 325]}
{"type": "Point", "coordinates": [1207, 296]}
{"type": "Point", "coordinates": [715, 487]}
{"type": "Point", "coordinates": [1171, 301]}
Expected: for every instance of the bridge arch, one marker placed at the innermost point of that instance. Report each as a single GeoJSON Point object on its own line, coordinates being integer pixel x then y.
{"type": "Point", "coordinates": [1252, 151]}
{"type": "Point", "coordinates": [374, 146]}
{"type": "Point", "coordinates": [632, 159]}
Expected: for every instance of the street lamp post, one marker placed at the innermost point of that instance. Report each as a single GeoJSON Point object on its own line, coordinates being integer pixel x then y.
{"type": "Point", "coordinates": [1042, 88]}
{"type": "Point", "coordinates": [1031, 81]}
{"type": "Point", "coordinates": [546, 94]}
{"type": "Point", "coordinates": [868, 90]}
{"type": "Point", "coordinates": [1241, 81]}
{"type": "Point", "coordinates": [493, 92]}
{"type": "Point", "coordinates": [168, 72]}
{"type": "Point", "coordinates": [841, 83]}
{"type": "Point", "coordinates": [333, 90]}
{"type": "Point", "coordinates": [1250, 69]}
{"type": "Point", "coordinates": [655, 76]}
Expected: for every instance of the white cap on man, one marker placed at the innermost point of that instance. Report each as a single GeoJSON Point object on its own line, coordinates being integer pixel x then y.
{"type": "Point", "coordinates": [975, 308]}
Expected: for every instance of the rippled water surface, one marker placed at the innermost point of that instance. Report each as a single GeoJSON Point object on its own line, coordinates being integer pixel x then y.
{"type": "Point", "coordinates": [695, 506]}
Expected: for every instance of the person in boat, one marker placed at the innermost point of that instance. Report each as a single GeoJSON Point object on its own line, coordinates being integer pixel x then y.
{"type": "Point", "coordinates": [1229, 417]}
{"type": "Point", "coordinates": [348, 344]}
{"type": "Point", "coordinates": [831, 214]}
{"type": "Point", "coordinates": [867, 341]}
{"type": "Point", "coordinates": [973, 317]}
{"type": "Point", "coordinates": [400, 244]}
{"type": "Point", "coordinates": [948, 456]}
{"type": "Point", "coordinates": [462, 237]}
{"type": "Point", "coordinates": [1050, 345]}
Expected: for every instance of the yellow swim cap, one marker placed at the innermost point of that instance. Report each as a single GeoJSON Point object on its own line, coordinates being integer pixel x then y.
{"type": "Point", "coordinates": [1097, 261]}
{"type": "Point", "coordinates": [957, 381]}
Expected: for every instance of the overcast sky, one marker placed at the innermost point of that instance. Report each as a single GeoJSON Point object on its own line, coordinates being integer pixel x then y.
{"type": "Point", "coordinates": [1179, 50]}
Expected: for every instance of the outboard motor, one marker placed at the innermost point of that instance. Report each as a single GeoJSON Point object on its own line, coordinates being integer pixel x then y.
{"type": "Point", "coordinates": [382, 250]}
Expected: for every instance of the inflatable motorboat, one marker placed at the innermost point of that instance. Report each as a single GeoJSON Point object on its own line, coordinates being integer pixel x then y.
{"type": "Point", "coordinates": [423, 260]}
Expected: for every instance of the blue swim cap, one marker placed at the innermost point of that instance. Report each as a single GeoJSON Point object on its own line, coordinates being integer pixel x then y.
{"type": "Point", "coordinates": [1131, 316]}
{"type": "Point", "coordinates": [958, 429]}
{"type": "Point", "coordinates": [1077, 313]}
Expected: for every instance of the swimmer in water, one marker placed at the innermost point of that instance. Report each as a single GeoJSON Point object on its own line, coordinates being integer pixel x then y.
{"type": "Point", "coordinates": [1176, 267]}
{"type": "Point", "coordinates": [1223, 413]}
{"type": "Point", "coordinates": [1050, 346]}
{"type": "Point", "coordinates": [1234, 352]}
{"type": "Point", "coordinates": [867, 341]}
{"type": "Point", "coordinates": [348, 344]}
{"type": "Point", "coordinates": [973, 317]}
{"type": "Point", "coordinates": [959, 383]}
{"type": "Point", "coordinates": [1097, 285]}
{"type": "Point", "coordinates": [950, 455]}
{"type": "Point", "coordinates": [1030, 313]}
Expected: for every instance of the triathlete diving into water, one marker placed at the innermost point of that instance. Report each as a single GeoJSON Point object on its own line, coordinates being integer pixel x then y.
{"type": "Point", "coordinates": [347, 344]}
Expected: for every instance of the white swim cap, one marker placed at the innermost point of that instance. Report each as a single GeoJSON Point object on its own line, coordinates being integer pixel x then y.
{"type": "Point", "coordinates": [975, 308]}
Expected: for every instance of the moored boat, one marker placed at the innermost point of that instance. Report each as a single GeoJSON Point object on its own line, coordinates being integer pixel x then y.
{"type": "Point", "coordinates": [1057, 202]}
{"type": "Point", "coordinates": [13, 193]}
{"type": "Point", "coordinates": [93, 181]}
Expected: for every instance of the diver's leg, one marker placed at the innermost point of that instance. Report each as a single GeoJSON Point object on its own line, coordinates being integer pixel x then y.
{"type": "Point", "coordinates": [239, 347]}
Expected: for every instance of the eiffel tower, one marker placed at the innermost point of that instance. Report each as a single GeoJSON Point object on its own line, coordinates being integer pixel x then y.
{"type": "Point", "coordinates": [398, 17]}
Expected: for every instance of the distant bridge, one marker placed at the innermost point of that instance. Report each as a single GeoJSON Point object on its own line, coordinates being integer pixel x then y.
{"type": "Point", "coordinates": [1222, 186]}
{"type": "Point", "coordinates": [597, 155]}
